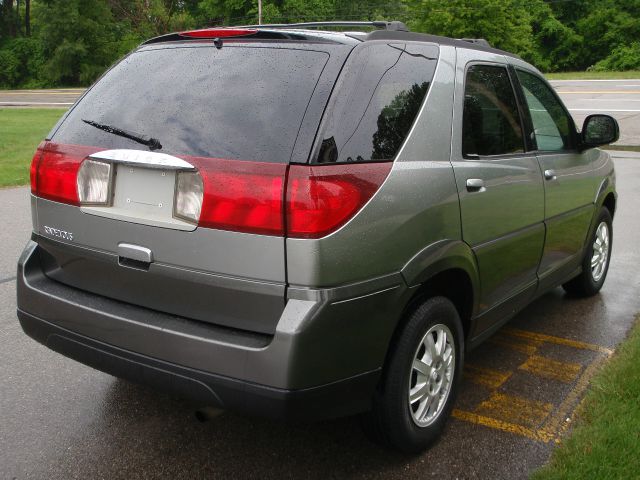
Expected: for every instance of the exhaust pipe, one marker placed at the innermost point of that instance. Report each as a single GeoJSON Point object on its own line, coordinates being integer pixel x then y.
{"type": "Point", "coordinates": [208, 413]}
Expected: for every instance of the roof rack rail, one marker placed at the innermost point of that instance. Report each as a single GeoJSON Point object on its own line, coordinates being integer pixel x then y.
{"type": "Point", "coordinates": [477, 41]}
{"type": "Point", "coordinates": [381, 24]}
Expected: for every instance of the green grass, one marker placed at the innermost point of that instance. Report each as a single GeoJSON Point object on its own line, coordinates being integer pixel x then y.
{"type": "Point", "coordinates": [21, 130]}
{"type": "Point", "coordinates": [634, 74]}
{"type": "Point", "coordinates": [606, 440]}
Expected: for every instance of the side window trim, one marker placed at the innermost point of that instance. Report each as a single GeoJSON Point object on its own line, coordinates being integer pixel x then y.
{"type": "Point", "coordinates": [502, 156]}
{"type": "Point", "coordinates": [527, 122]}
{"type": "Point", "coordinates": [572, 124]}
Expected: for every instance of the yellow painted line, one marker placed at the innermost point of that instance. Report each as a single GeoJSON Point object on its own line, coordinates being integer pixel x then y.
{"type": "Point", "coordinates": [486, 376]}
{"type": "Point", "coordinates": [552, 369]}
{"type": "Point", "coordinates": [610, 92]}
{"type": "Point", "coordinates": [41, 93]}
{"type": "Point", "coordinates": [557, 423]}
{"type": "Point", "coordinates": [476, 419]}
{"type": "Point", "coordinates": [516, 410]}
{"type": "Point", "coordinates": [519, 344]}
{"type": "Point", "coordinates": [556, 340]}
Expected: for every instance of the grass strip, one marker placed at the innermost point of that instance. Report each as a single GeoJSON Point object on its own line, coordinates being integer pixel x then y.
{"type": "Point", "coordinates": [605, 442]}
{"type": "Point", "coordinates": [21, 130]}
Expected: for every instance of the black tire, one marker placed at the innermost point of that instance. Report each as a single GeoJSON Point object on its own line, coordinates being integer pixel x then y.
{"type": "Point", "coordinates": [391, 421]}
{"type": "Point", "coordinates": [585, 285]}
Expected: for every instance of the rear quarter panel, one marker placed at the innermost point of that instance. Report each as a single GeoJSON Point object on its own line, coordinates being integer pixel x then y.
{"type": "Point", "coordinates": [416, 206]}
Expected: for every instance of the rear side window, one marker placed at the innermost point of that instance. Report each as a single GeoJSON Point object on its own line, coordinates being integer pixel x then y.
{"type": "Point", "coordinates": [376, 101]}
{"type": "Point", "coordinates": [491, 123]}
{"type": "Point", "coordinates": [237, 102]}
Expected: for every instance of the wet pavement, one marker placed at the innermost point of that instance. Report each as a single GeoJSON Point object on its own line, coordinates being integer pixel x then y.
{"type": "Point", "coordinates": [51, 98]}
{"type": "Point", "coordinates": [60, 419]}
{"type": "Point", "coordinates": [618, 98]}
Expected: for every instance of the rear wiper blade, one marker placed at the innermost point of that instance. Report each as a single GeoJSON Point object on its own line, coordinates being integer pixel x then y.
{"type": "Point", "coordinates": [152, 143]}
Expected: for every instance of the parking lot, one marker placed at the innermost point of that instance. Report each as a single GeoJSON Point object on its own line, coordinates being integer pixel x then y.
{"type": "Point", "coordinates": [61, 419]}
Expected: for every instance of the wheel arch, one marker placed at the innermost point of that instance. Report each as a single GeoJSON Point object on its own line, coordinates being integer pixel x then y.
{"type": "Point", "coordinates": [446, 268]}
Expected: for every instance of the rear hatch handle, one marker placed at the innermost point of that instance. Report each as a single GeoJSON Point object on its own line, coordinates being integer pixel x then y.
{"type": "Point", "coordinates": [134, 256]}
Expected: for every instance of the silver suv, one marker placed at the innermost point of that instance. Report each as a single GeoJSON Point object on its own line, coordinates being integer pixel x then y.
{"type": "Point", "coordinates": [309, 224]}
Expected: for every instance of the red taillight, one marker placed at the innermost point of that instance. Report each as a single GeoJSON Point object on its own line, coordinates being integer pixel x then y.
{"type": "Point", "coordinates": [219, 32]}
{"type": "Point", "coordinates": [33, 171]}
{"type": "Point", "coordinates": [322, 198]}
{"type": "Point", "coordinates": [54, 171]}
{"type": "Point", "coordinates": [241, 196]}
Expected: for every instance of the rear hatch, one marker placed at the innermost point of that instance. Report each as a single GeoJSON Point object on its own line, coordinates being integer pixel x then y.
{"type": "Point", "coordinates": [164, 186]}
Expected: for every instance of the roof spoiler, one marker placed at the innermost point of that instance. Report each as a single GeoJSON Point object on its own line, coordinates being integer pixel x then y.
{"type": "Point", "coordinates": [380, 24]}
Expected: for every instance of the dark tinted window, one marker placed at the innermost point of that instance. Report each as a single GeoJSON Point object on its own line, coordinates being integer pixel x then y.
{"type": "Point", "coordinates": [552, 125]}
{"type": "Point", "coordinates": [239, 102]}
{"type": "Point", "coordinates": [491, 123]}
{"type": "Point", "coordinates": [376, 102]}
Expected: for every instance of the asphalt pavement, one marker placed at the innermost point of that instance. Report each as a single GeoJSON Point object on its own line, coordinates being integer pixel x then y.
{"type": "Point", "coordinates": [618, 98]}
{"type": "Point", "coordinates": [62, 420]}
{"type": "Point", "coordinates": [53, 98]}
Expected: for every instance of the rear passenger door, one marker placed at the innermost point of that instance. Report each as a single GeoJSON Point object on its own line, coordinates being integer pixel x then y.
{"type": "Point", "coordinates": [499, 185]}
{"type": "Point", "coordinates": [568, 180]}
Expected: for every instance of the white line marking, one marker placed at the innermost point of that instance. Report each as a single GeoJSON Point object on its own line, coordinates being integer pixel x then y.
{"type": "Point", "coordinates": [601, 110]}
{"type": "Point", "coordinates": [609, 80]}
{"type": "Point", "coordinates": [625, 100]}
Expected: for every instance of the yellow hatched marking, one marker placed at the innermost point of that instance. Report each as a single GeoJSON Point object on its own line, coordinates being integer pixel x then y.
{"type": "Point", "coordinates": [514, 332]}
{"type": "Point", "coordinates": [474, 418]}
{"type": "Point", "coordinates": [516, 410]}
{"type": "Point", "coordinates": [486, 376]}
{"type": "Point", "coordinates": [553, 369]}
{"type": "Point", "coordinates": [557, 423]}
{"type": "Point", "coordinates": [527, 346]}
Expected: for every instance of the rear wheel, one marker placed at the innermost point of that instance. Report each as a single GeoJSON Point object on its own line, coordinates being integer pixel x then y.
{"type": "Point", "coordinates": [596, 260]}
{"type": "Point", "coordinates": [420, 380]}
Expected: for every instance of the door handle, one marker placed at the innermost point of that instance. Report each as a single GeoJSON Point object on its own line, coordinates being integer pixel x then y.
{"type": "Point", "coordinates": [475, 185]}
{"type": "Point", "coordinates": [550, 175]}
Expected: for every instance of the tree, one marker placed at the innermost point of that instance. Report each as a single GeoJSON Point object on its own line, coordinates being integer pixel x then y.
{"type": "Point", "coordinates": [506, 24]}
{"type": "Point", "coordinates": [79, 40]}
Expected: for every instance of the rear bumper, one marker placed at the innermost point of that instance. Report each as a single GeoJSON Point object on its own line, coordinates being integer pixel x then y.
{"type": "Point", "coordinates": [333, 400]}
{"type": "Point", "coordinates": [324, 359]}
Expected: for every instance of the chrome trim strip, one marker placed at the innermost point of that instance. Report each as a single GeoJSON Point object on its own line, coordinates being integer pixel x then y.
{"type": "Point", "coordinates": [142, 158]}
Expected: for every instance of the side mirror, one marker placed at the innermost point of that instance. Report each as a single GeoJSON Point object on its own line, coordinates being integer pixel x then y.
{"type": "Point", "coordinates": [599, 130]}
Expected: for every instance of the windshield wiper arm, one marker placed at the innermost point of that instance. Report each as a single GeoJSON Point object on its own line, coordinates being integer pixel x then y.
{"type": "Point", "coordinates": [152, 143]}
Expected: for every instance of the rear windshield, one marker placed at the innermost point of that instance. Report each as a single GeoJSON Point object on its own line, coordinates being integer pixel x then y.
{"type": "Point", "coordinates": [237, 102]}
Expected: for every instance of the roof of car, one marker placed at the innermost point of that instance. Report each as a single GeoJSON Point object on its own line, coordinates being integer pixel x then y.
{"type": "Point", "coordinates": [393, 30]}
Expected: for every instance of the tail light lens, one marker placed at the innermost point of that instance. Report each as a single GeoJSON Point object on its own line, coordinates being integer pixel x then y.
{"type": "Point", "coordinates": [188, 198]}
{"type": "Point", "coordinates": [322, 198]}
{"type": "Point", "coordinates": [54, 171]}
{"type": "Point", "coordinates": [94, 182]}
{"type": "Point", "coordinates": [242, 196]}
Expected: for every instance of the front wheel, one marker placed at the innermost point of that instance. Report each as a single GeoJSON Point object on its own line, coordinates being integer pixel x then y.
{"type": "Point", "coordinates": [420, 380]}
{"type": "Point", "coordinates": [595, 264]}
